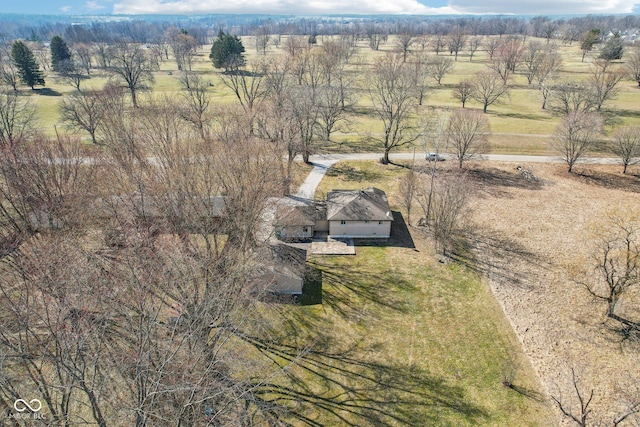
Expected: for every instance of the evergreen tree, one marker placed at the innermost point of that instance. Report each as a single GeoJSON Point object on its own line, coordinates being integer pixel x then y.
{"type": "Point", "coordinates": [588, 40]}
{"type": "Point", "coordinates": [226, 52]}
{"type": "Point", "coordinates": [612, 49]}
{"type": "Point", "coordinates": [28, 70]}
{"type": "Point", "coordinates": [60, 54]}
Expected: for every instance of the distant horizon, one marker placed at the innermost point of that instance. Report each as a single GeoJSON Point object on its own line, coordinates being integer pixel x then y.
{"type": "Point", "coordinates": [320, 15]}
{"type": "Point", "coordinates": [321, 7]}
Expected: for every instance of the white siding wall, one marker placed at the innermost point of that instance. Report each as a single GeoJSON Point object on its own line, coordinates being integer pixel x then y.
{"type": "Point", "coordinates": [360, 229]}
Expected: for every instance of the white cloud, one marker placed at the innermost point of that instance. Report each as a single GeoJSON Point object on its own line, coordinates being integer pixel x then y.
{"type": "Point", "coordinates": [538, 7]}
{"type": "Point", "coordinates": [93, 5]}
{"type": "Point", "coordinates": [544, 7]}
{"type": "Point", "coordinates": [277, 7]}
{"type": "Point", "coordinates": [65, 9]}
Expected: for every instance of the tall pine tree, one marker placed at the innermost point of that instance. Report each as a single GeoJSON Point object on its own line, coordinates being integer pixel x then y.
{"type": "Point", "coordinates": [227, 52]}
{"type": "Point", "coordinates": [28, 69]}
{"type": "Point", "coordinates": [60, 54]}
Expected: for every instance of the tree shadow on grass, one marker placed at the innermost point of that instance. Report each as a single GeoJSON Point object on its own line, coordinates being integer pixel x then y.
{"type": "Point", "coordinates": [349, 173]}
{"type": "Point", "coordinates": [343, 285]}
{"type": "Point", "coordinates": [528, 393]}
{"type": "Point", "coordinates": [497, 257]}
{"type": "Point", "coordinates": [493, 181]}
{"type": "Point", "coordinates": [329, 385]}
{"type": "Point", "coordinates": [523, 116]}
{"type": "Point", "coordinates": [46, 91]}
{"type": "Point", "coordinates": [626, 182]}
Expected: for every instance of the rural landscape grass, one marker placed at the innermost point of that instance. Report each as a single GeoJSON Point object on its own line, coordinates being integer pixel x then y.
{"type": "Point", "coordinates": [401, 335]}
{"type": "Point", "coordinates": [518, 115]}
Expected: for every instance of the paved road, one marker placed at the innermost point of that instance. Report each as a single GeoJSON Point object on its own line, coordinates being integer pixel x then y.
{"type": "Point", "coordinates": [322, 163]}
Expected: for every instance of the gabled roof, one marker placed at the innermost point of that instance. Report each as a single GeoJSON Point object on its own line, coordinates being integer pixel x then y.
{"type": "Point", "coordinates": [295, 215]}
{"type": "Point", "coordinates": [369, 204]}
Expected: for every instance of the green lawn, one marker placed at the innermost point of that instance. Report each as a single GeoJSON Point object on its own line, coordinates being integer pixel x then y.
{"type": "Point", "coordinates": [404, 340]}
{"type": "Point", "coordinates": [518, 114]}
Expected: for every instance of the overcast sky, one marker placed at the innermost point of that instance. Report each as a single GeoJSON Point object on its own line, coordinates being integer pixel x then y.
{"type": "Point", "coordinates": [535, 7]}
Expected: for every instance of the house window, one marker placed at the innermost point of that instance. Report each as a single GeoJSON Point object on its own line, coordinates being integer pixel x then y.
{"type": "Point", "coordinates": [305, 229]}
{"type": "Point", "coordinates": [367, 221]}
{"type": "Point", "coordinates": [343, 222]}
{"type": "Point", "coordinates": [380, 222]}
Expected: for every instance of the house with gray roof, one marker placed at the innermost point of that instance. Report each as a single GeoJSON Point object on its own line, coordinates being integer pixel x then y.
{"type": "Point", "coordinates": [359, 214]}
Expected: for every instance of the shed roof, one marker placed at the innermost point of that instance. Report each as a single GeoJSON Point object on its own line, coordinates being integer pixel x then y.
{"type": "Point", "coordinates": [369, 204]}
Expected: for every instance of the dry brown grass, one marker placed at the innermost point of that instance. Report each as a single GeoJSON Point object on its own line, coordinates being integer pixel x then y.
{"type": "Point", "coordinates": [536, 241]}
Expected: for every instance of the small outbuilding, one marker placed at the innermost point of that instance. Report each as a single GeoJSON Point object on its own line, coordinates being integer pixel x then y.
{"type": "Point", "coordinates": [281, 270]}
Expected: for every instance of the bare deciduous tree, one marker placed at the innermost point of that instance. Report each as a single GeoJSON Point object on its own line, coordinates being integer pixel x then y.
{"type": "Point", "coordinates": [8, 71]}
{"type": "Point", "coordinates": [404, 41]}
{"type": "Point", "coordinates": [247, 85]}
{"type": "Point", "coordinates": [506, 58]}
{"type": "Point", "coordinates": [576, 135]}
{"type": "Point", "coordinates": [407, 190]}
{"type": "Point", "coordinates": [331, 113]}
{"type": "Point", "coordinates": [439, 67]}
{"type": "Point", "coordinates": [632, 64]}
{"type": "Point", "coordinates": [394, 100]}
{"type": "Point", "coordinates": [71, 74]}
{"type": "Point", "coordinates": [474, 43]}
{"type": "Point", "coordinates": [17, 117]}
{"type": "Point", "coordinates": [130, 65]}
{"type": "Point", "coordinates": [580, 415]}
{"type": "Point", "coordinates": [84, 54]}
{"type": "Point", "coordinates": [198, 100]}
{"type": "Point", "coordinates": [463, 91]}
{"type": "Point", "coordinates": [467, 134]}
{"type": "Point", "coordinates": [263, 36]}
{"type": "Point", "coordinates": [438, 43]}
{"type": "Point", "coordinates": [444, 203]}
{"type": "Point", "coordinates": [626, 145]}
{"type": "Point", "coordinates": [83, 111]}
{"type": "Point", "coordinates": [420, 68]}
{"type": "Point", "coordinates": [488, 89]}
{"type": "Point", "coordinates": [568, 97]}
{"type": "Point", "coordinates": [183, 46]}
{"type": "Point", "coordinates": [492, 45]}
{"type": "Point", "coordinates": [532, 59]}
{"type": "Point", "coordinates": [617, 265]}
{"type": "Point", "coordinates": [603, 82]}
{"type": "Point", "coordinates": [456, 40]}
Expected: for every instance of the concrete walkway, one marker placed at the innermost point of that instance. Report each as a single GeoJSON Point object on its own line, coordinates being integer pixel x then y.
{"type": "Point", "coordinates": [333, 247]}
{"type": "Point", "coordinates": [320, 168]}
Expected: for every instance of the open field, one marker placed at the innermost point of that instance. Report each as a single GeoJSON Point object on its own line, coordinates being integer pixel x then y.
{"type": "Point", "coordinates": [547, 235]}
{"type": "Point", "coordinates": [518, 114]}
{"type": "Point", "coordinates": [533, 241]}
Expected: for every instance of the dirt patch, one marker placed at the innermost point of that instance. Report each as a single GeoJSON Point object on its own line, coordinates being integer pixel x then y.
{"type": "Point", "coordinates": [530, 236]}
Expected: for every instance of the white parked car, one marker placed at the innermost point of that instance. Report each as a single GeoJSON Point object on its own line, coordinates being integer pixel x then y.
{"type": "Point", "coordinates": [434, 157]}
